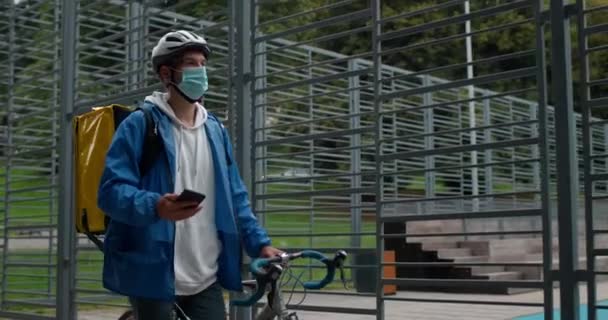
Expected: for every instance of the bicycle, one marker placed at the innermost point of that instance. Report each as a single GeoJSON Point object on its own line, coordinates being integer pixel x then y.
{"type": "Point", "coordinates": [179, 314]}
{"type": "Point", "coordinates": [267, 273]}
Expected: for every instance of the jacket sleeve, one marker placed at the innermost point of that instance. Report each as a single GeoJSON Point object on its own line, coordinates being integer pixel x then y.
{"type": "Point", "coordinates": [119, 194]}
{"type": "Point", "coordinates": [253, 235]}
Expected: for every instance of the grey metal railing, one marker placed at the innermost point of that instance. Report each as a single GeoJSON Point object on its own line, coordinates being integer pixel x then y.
{"type": "Point", "coordinates": [334, 146]}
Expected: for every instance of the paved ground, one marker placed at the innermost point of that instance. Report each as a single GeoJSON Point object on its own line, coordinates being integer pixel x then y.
{"type": "Point", "coordinates": [409, 310]}
{"type": "Point", "coordinates": [394, 310]}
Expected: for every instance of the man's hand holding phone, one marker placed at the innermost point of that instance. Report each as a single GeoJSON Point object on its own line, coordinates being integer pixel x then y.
{"type": "Point", "coordinates": [179, 207]}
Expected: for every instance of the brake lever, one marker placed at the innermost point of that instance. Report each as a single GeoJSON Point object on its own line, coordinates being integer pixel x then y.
{"type": "Point", "coordinates": [342, 277]}
{"type": "Point", "coordinates": [339, 263]}
{"type": "Point", "coordinates": [274, 274]}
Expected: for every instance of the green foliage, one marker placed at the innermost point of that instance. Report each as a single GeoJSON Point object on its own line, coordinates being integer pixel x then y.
{"type": "Point", "coordinates": [34, 64]}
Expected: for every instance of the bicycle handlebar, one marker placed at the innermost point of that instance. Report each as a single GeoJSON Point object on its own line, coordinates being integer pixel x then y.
{"type": "Point", "coordinates": [264, 277]}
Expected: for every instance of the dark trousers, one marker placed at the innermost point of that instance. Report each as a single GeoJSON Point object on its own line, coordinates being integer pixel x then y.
{"type": "Point", "coordinates": [205, 305]}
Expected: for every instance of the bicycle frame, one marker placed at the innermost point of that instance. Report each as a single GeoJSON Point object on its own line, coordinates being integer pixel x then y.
{"type": "Point", "coordinates": [278, 308]}
{"type": "Point", "coordinates": [275, 306]}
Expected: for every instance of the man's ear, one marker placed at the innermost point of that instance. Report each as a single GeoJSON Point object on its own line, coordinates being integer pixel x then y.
{"type": "Point", "coordinates": [164, 74]}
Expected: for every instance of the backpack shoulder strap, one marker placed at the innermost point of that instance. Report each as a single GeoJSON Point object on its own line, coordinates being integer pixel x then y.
{"type": "Point", "coordinates": [152, 146]}
{"type": "Point", "coordinates": [221, 127]}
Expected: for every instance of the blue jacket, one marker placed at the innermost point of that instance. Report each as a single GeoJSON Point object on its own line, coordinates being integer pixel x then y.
{"type": "Point", "coordinates": [138, 247]}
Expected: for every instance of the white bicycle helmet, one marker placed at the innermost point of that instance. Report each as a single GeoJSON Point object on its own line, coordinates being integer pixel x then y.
{"type": "Point", "coordinates": [176, 42]}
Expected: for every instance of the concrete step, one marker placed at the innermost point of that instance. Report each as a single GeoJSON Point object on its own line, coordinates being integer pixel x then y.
{"type": "Point", "coordinates": [487, 269]}
{"type": "Point", "coordinates": [470, 259]}
{"type": "Point", "coordinates": [439, 245]}
{"type": "Point", "coordinates": [498, 247]}
{"type": "Point", "coordinates": [528, 273]}
{"type": "Point", "coordinates": [499, 276]}
{"type": "Point", "coordinates": [453, 252]}
{"type": "Point", "coordinates": [510, 291]}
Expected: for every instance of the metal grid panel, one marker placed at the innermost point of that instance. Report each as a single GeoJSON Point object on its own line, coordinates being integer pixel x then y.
{"type": "Point", "coordinates": [115, 40]}
{"type": "Point", "coordinates": [314, 129]}
{"type": "Point", "coordinates": [115, 44]}
{"type": "Point", "coordinates": [482, 151]}
{"type": "Point", "coordinates": [28, 117]}
{"type": "Point", "coordinates": [592, 50]}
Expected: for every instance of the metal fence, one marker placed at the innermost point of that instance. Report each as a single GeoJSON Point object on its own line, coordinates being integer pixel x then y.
{"type": "Point", "coordinates": [450, 148]}
{"type": "Point", "coordinates": [113, 46]}
{"type": "Point", "coordinates": [29, 121]}
{"type": "Point", "coordinates": [591, 50]}
{"type": "Point", "coordinates": [104, 53]}
{"type": "Point", "coordinates": [526, 145]}
{"type": "Point", "coordinates": [356, 150]}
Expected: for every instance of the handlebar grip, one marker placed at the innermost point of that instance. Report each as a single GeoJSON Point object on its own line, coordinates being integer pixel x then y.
{"type": "Point", "coordinates": [257, 266]}
{"type": "Point", "coordinates": [251, 300]}
{"type": "Point", "coordinates": [331, 270]}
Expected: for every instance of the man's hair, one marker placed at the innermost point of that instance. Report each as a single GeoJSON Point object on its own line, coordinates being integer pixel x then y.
{"type": "Point", "coordinates": [175, 60]}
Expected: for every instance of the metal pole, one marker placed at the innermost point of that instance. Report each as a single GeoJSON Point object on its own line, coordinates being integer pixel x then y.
{"type": "Point", "coordinates": [65, 253]}
{"type": "Point", "coordinates": [245, 19]}
{"type": "Point", "coordinates": [489, 172]}
{"type": "Point", "coordinates": [536, 173]}
{"type": "Point", "coordinates": [230, 73]}
{"type": "Point", "coordinates": [54, 165]}
{"type": "Point", "coordinates": [232, 311]}
{"type": "Point", "coordinates": [585, 94]}
{"type": "Point", "coordinates": [311, 163]}
{"type": "Point", "coordinates": [143, 32]}
{"type": "Point", "coordinates": [9, 148]}
{"type": "Point", "coordinates": [244, 65]}
{"type": "Point", "coordinates": [259, 116]}
{"type": "Point", "coordinates": [429, 143]}
{"type": "Point", "coordinates": [472, 115]}
{"type": "Point", "coordinates": [567, 179]}
{"type": "Point", "coordinates": [377, 60]}
{"type": "Point", "coordinates": [355, 154]}
{"type": "Point", "coordinates": [133, 43]}
{"type": "Point", "coordinates": [543, 136]}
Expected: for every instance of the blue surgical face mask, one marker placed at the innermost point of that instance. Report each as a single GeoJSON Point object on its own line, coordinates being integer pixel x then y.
{"type": "Point", "coordinates": [194, 83]}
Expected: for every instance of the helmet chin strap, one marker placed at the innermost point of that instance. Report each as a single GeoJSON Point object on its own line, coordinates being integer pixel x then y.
{"type": "Point", "coordinates": [183, 95]}
{"type": "Point", "coordinates": [174, 85]}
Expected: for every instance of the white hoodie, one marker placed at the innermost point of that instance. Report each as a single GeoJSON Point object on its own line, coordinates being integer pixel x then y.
{"type": "Point", "coordinates": [197, 247]}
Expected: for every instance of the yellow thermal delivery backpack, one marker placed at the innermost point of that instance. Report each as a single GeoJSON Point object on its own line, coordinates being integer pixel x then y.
{"type": "Point", "coordinates": [93, 132]}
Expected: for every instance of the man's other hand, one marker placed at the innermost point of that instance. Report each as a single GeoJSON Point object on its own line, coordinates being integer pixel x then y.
{"type": "Point", "coordinates": [269, 252]}
{"type": "Point", "coordinates": [170, 209]}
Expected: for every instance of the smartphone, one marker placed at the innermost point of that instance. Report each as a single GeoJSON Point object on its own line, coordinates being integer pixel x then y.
{"type": "Point", "coordinates": [189, 195]}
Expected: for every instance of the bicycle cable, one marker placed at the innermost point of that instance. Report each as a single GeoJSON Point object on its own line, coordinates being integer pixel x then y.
{"type": "Point", "coordinates": [297, 280]}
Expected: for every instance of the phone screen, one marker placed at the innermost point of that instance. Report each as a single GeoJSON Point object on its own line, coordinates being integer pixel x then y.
{"type": "Point", "coordinates": [189, 195]}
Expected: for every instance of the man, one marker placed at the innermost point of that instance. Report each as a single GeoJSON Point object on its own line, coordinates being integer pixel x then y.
{"type": "Point", "coordinates": [157, 249]}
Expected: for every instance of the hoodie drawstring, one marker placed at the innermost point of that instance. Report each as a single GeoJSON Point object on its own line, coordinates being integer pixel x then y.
{"type": "Point", "coordinates": [160, 99]}
{"type": "Point", "coordinates": [179, 146]}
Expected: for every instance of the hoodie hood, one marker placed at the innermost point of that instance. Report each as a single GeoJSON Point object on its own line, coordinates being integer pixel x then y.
{"type": "Point", "coordinates": [160, 100]}
{"type": "Point", "coordinates": [189, 140]}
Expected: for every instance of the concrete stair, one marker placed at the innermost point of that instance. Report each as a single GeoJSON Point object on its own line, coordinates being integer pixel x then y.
{"type": "Point", "coordinates": [454, 252]}
{"type": "Point", "coordinates": [498, 251]}
{"type": "Point", "coordinates": [499, 276]}
{"type": "Point", "coordinates": [478, 251]}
